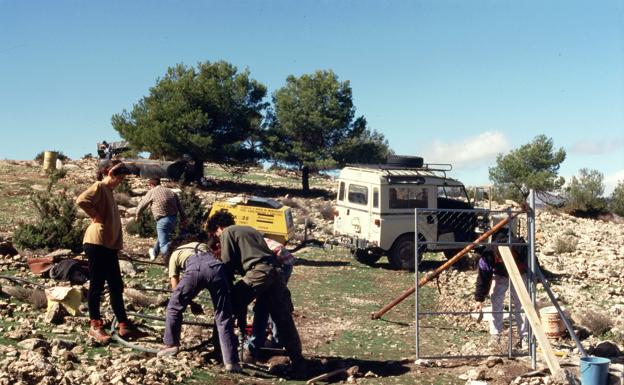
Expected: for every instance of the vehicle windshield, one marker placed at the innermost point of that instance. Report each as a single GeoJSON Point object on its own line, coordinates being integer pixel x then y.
{"type": "Point", "coordinates": [453, 192]}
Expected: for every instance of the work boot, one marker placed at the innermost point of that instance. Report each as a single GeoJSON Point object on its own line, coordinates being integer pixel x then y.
{"type": "Point", "coordinates": [168, 351]}
{"type": "Point", "coordinates": [130, 332]}
{"type": "Point", "coordinates": [233, 368]}
{"type": "Point", "coordinates": [96, 331]}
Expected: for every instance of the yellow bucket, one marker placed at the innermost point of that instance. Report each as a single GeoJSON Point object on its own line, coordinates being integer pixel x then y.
{"type": "Point", "coordinates": [551, 322]}
{"type": "Point", "coordinates": [49, 160]}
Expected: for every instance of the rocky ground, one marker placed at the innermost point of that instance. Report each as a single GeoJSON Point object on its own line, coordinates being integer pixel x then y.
{"type": "Point", "coordinates": [583, 257]}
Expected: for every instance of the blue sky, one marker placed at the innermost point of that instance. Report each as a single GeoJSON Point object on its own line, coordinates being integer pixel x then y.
{"type": "Point", "coordinates": [453, 81]}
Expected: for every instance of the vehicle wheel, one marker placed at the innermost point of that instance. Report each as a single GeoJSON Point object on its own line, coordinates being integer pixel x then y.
{"type": "Point", "coordinates": [450, 253]}
{"type": "Point", "coordinates": [462, 264]}
{"type": "Point", "coordinates": [404, 161]}
{"type": "Point", "coordinates": [401, 255]}
{"type": "Point", "coordinates": [365, 256]}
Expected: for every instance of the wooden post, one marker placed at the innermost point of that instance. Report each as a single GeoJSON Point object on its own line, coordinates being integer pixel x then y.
{"type": "Point", "coordinates": [525, 300]}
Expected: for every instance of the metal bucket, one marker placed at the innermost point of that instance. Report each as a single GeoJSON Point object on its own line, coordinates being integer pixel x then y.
{"type": "Point", "coordinates": [49, 160]}
{"type": "Point", "coordinates": [551, 322]}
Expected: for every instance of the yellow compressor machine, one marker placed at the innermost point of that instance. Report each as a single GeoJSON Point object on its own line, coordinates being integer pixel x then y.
{"type": "Point", "coordinates": [268, 216]}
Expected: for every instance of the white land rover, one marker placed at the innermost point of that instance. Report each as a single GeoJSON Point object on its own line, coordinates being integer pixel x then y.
{"type": "Point", "coordinates": [375, 205]}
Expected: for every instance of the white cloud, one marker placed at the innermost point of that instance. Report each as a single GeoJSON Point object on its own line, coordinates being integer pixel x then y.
{"type": "Point", "coordinates": [612, 180]}
{"type": "Point", "coordinates": [593, 147]}
{"type": "Point", "coordinates": [469, 153]}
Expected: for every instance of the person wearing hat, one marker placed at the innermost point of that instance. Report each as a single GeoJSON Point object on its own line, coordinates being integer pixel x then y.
{"type": "Point", "coordinates": [102, 242]}
{"type": "Point", "coordinates": [165, 206]}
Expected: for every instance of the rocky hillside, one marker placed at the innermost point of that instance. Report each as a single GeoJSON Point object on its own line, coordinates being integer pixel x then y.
{"type": "Point", "coordinates": [584, 258]}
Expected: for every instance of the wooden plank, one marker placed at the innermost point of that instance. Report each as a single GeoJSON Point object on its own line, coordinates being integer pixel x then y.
{"type": "Point", "coordinates": [525, 300]}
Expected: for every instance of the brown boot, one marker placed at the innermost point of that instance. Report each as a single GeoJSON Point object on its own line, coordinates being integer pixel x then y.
{"type": "Point", "coordinates": [96, 331]}
{"type": "Point", "coordinates": [130, 332]}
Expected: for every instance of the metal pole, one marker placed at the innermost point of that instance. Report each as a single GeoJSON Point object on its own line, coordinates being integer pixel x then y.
{"type": "Point", "coordinates": [417, 311]}
{"type": "Point", "coordinates": [532, 265]}
{"type": "Point", "coordinates": [509, 296]}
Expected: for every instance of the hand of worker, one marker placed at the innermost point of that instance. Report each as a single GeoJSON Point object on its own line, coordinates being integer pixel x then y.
{"type": "Point", "coordinates": [479, 309]}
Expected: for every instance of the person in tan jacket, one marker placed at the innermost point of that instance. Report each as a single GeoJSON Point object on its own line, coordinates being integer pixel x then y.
{"type": "Point", "coordinates": [102, 241]}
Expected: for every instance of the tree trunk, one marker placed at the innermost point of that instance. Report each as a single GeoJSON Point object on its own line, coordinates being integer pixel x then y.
{"type": "Point", "coordinates": [305, 179]}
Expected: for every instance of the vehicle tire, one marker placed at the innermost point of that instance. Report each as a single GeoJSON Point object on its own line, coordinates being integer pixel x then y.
{"type": "Point", "coordinates": [366, 256]}
{"type": "Point", "coordinates": [401, 256]}
{"type": "Point", "coordinates": [463, 262]}
{"type": "Point", "coordinates": [450, 253]}
{"type": "Point", "coordinates": [404, 161]}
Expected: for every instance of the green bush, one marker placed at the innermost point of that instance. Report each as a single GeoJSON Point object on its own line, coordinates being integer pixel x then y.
{"type": "Point", "coordinates": [144, 228]}
{"type": "Point", "coordinates": [56, 226]}
{"type": "Point", "coordinates": [585, 194]}
{"type": "Point", "coordinates": [124, 188]}
{"type": "Point", "coordinates": [617, 199]}
{"type": "Point", "coordinates": [194, 209]}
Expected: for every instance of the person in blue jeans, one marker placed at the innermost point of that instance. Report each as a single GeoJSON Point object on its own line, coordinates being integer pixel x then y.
{"type": "Point", "coordinates": [258, 338]}
{"type": "Point", "coordinates": [166, 207]}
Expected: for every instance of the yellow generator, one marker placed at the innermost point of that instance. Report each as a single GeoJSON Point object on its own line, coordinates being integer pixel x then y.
{"type": "Point", "coordinates": [268, 216]}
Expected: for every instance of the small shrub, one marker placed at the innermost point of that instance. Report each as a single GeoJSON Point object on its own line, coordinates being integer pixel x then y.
{"type": "Point", "coordinates": [569, 231]}
{"type": "Point", "coordinates": [144, 228]}
{"type": "Point", "coordinates": [596, 322]}
{"type": "Point", "coordinates": [326, 209]}
{"type": "Point", "coordinates": [124, 188]}
{"type": "Point", "coordinates": [565, 245]}
{"type": "Point", "coordinates": [617, 199]}
{"type": "Point", "coordinates": [87, 156]}
{"type": "Point", "coordinates": [194, 210]}
{"type": "Point", "coordinates": [291, 202]}
{"type": "Point", "coordinates": [123, 199]}
{"type": "Point", "coordinates": [56, 226]}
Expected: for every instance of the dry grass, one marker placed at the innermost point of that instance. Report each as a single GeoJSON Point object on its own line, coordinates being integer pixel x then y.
{"type": "Point", "coordinates": [565, 244]}
{"type": "Point", "coordinates": [595, 321]}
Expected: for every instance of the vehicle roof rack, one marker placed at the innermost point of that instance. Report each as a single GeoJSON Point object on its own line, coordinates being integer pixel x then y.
{"type": "Point", "coordinates": [427, 169]}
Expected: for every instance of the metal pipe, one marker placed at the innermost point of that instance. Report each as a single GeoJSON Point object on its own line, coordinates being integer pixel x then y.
{"type": "Point", "coordinates": [23, 280]}
{"type": "Point", "coordinates": [430, 276]}
{"type": "Point", "coordinates": [532, 266]}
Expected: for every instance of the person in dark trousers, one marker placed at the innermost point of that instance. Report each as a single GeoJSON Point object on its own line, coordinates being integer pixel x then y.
{"type": "Point", "coordinates": [102, 241]}
{"type": "Point", "coordinates": [201, 270]}
{"type": "Point", "coordinates": [165, 206]}
{"type": "Point", "coordinates": [244, 252]}
{"type": "Point", "coordinates": [492, 275]}
{"type": "Point", "coordinates": [261, 318]}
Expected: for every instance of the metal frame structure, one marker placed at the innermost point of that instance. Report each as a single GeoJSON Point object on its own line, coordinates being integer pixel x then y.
{"type": "Point", "coordinates": [531, 276]}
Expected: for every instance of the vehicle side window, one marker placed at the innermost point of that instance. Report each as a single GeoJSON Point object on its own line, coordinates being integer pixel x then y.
{"type": "Point", "coordinates": [375, 197]}
{"type": "Point", "coordinates": [407, 197]}
{"type": "Point", "coordinates": [358, 194]}
{"type": "Point", "coordinates": [341, 191]}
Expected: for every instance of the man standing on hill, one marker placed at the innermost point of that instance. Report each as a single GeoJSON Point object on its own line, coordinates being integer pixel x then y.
{"type": "Point", "coordinates": [245, 252]}
{"type": "Point", "coordinates": [165, 209]}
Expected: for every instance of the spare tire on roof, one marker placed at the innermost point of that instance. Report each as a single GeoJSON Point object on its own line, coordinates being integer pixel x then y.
{"type": "Point", "coordinates": [404, 161]}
